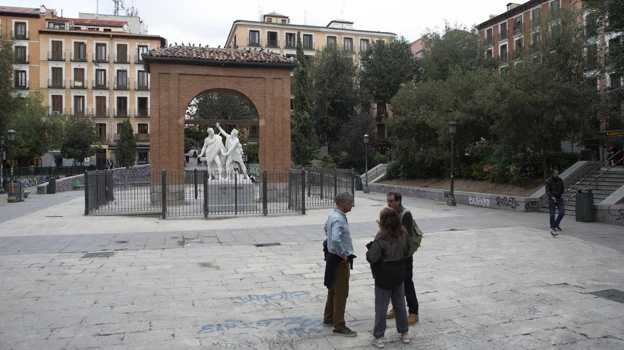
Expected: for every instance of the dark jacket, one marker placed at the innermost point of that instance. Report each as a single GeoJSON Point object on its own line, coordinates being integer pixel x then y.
{"type": "Point", "coordinates": [388, 260]}
{"type": "Point", "coordinates": [554, 187]}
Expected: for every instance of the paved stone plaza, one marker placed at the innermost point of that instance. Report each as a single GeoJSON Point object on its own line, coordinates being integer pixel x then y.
{"type": "Point", "coordinates": [486, 279]}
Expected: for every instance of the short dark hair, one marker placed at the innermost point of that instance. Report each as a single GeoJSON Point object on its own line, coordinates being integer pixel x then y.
{"type": "Point", "coordinates": [557, 170]}
{"type": "Point", "coordinates": [396, 195]}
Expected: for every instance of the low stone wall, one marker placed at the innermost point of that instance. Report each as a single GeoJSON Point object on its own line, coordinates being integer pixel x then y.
{"type": "Point", "coordinates": [483, 200]}
{"type": "Point", "coordinates": [610, 214]}
{"type": "Point", "coordinates": [63, 185]}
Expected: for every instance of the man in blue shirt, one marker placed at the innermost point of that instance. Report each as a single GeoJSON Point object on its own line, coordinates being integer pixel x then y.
{"type": "Point", "coordinates": [340, 248]}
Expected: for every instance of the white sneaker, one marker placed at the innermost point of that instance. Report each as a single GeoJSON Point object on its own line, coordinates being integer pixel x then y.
{"type": "Point", "coordinates": [378, 342]}
{"type": "Point", "coordinates": [404, 338]}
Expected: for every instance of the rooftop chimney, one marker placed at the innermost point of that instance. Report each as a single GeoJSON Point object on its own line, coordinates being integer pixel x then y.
{"type": "Point", "coordinates": [492, 16]}
{"type": "Point", "coordinates": [512, 6]}
{"type": "Point", "coordinates": [43, 9]}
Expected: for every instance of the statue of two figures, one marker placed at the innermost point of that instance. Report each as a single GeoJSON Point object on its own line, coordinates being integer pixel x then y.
{"type": "Point", "coordinates": [213, 151]}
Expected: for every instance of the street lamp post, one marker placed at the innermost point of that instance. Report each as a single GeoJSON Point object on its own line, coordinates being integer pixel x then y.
{"type": "Point", "coordinates": [452, 130]}
{"type": "Point", "coordinates": [366, 139]}
{"type": "Point", "coordinates": [2, 158]}
{"type": "Point", "coordinates": [11, 140]}
{"type": "Point", "coordinates": [245, 158]}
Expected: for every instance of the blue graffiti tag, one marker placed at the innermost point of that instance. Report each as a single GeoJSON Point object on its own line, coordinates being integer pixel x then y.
{"type": "Point", "coordinates": [274, 298]}
{"type": "Point", "coordinates": [287, 326]}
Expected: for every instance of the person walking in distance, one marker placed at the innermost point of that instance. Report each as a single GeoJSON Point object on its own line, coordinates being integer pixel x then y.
{"type": "Point", "coordinates": [338, 250]}
{"type": "Point", "coordinates": [387, 254]}
{"type": "Point", "coordinates": [394, 200]}
{"type": "Point", "coordinates": [554, 191]}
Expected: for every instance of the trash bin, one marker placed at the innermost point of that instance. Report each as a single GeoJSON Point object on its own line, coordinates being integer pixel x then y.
{"type": "Point", "coordinates": [585, 206]}
{"type": "Point", "coordinates": [16, 194]}
{"type": "Point", "coordinates": [358, 183]}
{"type": "Point", "coordinates": [52, 186]}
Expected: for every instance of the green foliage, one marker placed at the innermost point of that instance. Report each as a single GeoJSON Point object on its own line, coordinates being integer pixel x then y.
{"type": "Point", "coordinates": [8, 103]}
{"type": "Point", "coordinates": [80, 136]}
{"type": "Point", "coordinates": [334, 95]}
{"type": "Point", "coordinates": [221, 105]}
{"type": "Point", "coordinates": [380, 159]}
{"type": "Point", "coordinates": [126, 146]}
{"type": "Point", "coordinates": [385, 67]}
{"type": "Point", "coordinates": [195, 137]}
{"type": "Point", "coordinates": [325, 162]}
{"type": "Point", "coordinates": [349, 150]}
{"type": "Point", "coordinates": [252, 153]}
{"type": "Point", "coordinates": [304, 141]}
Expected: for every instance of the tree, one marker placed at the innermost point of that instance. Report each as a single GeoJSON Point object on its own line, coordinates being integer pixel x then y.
{"type": "Point", "coordinates": [126, 146]}
{"type": "Point", "coordinates": [221, 105]}
{"type": "Point", "coordinates": [80, 136]}
{"type": "Point", "coordinates": [304, 141]}
{"type": "Point", "coordinates": [335, 95]}
{"type": "Point", "coordinates": [8, 103]}
{"type": "Point", "coordinates": [385, 67]}
{"type": "Point", "coordinates": [349, 149]}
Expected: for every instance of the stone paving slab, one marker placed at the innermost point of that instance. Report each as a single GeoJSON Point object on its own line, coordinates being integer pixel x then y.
{"type": "Point", "coordinates": [492, 288]}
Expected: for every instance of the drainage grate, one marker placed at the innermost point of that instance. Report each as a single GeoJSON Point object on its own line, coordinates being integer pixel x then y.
{"type": "Point", "coordinates": [267, 244]}
{"type": "Point", "coordinates": [98, 255]}
{"type": "Point", "coordinates": [54, 216]}
{"type": "Point", "coordinates": [611, 294]}
{"type": "Point", "coordinates": [121, 242]}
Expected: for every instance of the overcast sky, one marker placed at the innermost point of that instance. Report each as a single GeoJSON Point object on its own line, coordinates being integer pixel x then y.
{"type": "Point", "coordinates": [209, 22]}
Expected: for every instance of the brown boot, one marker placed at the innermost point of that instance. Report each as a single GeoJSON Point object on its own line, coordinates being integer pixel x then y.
{"type": "Point", "coordinates": [412, 319]}
{"type": "Point", "coordinates": [390, 314]}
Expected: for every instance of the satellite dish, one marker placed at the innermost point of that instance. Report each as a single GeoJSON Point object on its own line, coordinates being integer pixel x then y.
{"type": "Point", "coordinates": [125, 28]}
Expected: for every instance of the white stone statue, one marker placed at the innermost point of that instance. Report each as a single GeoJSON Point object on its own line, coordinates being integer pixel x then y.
{"type": "Point", "coordinates": [213, 145]}
{"type": "Point", "coordinates": [233, 152]}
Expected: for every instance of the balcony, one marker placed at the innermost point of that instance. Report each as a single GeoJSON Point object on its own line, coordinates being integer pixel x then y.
{"type": "Point", "coordinates": [503, 36]}
{"type": "Point", "coordinates": [122, 58]}
{"type": "Point", "coordinates": [100, 58]}
{"type": "Point", "coordinates": [78, 84]}
{"type": "Point", "coordinates": [517, 30]}
{"type": "Point", "coordinates": [19, 36]}
{"type": "Point", "coordinates": [58, 112]}
{"type": "Point", "coordinates": [253, 43]}
{"type": "Point", "coordinates": [102, 113]}
{"type": "Point", "coordinates": [141, 113]}
{"type": "Point", "coordinates": [142, 137]}
{"type": "Point", "coordinates": [122, 85]}
{"type": "Point", "coordinates": [503, 56]}
{"type": "Point", "coordinates": [56, 83]}
{"type": "Point", "coordinates": [99, 85]}
{"type": "Point", "coordinates": [141, 86]}
{"type": "Point", "coordinates": [21, 85]}
{"type": "Point", "coordinates": [272, 43]}
{"type": "Point", "coordinates": [121, 114]}
{"type": "Point", "coordinates": [488, 41]}
{"type": "Point", "coordinates": [56, 56]}
{"type": "Point", "coordinates": [290, 44]}
{"type": "Point", "coordinates": [78, 112]}
{"type": "Point", "coordinates": [20, 59]}
{"type": "Point", "coordinates": [138, 58]}
{"type": "Point", "coordinates": [78, 57]}
{"type": "Point", "coordinates": [310, 46]}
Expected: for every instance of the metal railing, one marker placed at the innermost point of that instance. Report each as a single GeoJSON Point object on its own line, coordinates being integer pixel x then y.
{"type": "Point", "coordinates": [20, 59]}
{"type": "Point", "coordinates": [99, 114]}
{"type": "Point", "coordinates": [47, 171]}
{"type": "Point", "coordinates": [100, 58]}
{"type": "Point", "coordinates": [77, 57]}
{"type": "Point", "coordinates": [142, 86]}
{"type": "Point", "coordinates": [195, 193]}
{"type": "Point", "coordinates": [56, 83]}
{"type": "Point", "coordinates": [20, 36]}
{"type": "Point", "coordinates": [78, 84]}
{"type": "Point", "coordinates": [122, 85]}
{"type": "Point", "coordinates": [99, 85]}
{"type": "Point", "coordinates": [77, 112]}
{"type": "Point", "coordinates": [56, 56]}
{"type": "Point", "coordinates": [25, 85]}
{"type": "Point", "coordinates": [142, 137]}
{"type": "Point", "coordinates": [272, 43]}
{"type": "Point", "coordinates": [122, 58]}
{"type": "Point", "coordinates": [141, 113]}
{"type": "Point", "coordinates": [122, 114]}
{"type": "Point", "coordinates": [592, 173]}
{"type": "Point", "coordinates": [138, 58]}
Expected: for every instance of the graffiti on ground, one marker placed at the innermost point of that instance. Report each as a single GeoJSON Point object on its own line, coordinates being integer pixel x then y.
{"type": "Point", "coordinates": [285, 326]}
{"type": "Point", "coordinates": [255, 343]}
{"type": "Point", "coordinates": [531, 206]}
{"type": "Point", "coordinates": [277, 298]}
{"type": "Point", "coordinates": [479, 201]}
{"type": "Point", "coordinates": [507, 202]}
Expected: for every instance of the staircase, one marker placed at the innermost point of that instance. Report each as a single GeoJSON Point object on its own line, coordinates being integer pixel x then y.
{"type": "Point", "coordinates": [602, 186]}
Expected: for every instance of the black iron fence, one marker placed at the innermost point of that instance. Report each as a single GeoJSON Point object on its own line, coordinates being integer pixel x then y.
{"type": "Point", "coordinates": [195, 193]}
{"type": "Point", "coordinates": [47, 171]}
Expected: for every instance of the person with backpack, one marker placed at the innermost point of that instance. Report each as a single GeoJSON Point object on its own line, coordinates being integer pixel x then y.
{"type": "Point", "coordinates": [394, 200]}
{"type": "Point", "coordinates": [388, 254]}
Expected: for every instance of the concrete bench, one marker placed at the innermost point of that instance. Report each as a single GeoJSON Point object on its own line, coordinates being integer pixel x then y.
{"type": "Point", "coordinates": [42, 189]}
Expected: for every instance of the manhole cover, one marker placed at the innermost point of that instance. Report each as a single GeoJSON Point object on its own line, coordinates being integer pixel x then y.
{"type": "Point", "coordinates": [207, 265]}
{"type": "Point", "coordinates": [98, 255]}
{"type": "Point", "coordinates": [121, 242]}
{"type": "Point", "coordinates": [611, 294]}
{"type": "Point", "coordinates": [267, 244]}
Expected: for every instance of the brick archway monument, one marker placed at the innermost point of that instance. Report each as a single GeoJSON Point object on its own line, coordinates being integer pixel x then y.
{"type": "Point", "coordinates": [180, 73]}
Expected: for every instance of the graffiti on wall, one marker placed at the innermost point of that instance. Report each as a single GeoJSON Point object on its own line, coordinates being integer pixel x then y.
{"type": "Point", "coordinates": [507, 202]}
{"type": "Point", "coordinates": [479, 201]}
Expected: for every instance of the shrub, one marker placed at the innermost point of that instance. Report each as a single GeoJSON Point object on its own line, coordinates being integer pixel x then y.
{"type": "Point", "coordinates": [380, 159]}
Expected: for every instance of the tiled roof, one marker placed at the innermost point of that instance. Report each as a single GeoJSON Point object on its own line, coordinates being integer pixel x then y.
{"type": "Point", "coordinates": [218, 55]}
{"type": "Point", "coordinates": [25, 10]}
{"type": "Point", "coordinates": [98, 22]}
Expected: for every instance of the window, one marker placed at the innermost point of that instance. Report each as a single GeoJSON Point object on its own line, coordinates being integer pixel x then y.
{"type": "Point", "coordinates": [591, 24]}
{"type": "Point", "coordinates": [331, 42]}
{"type": "Point", "coordinates": [79, 106]}
{"type": "Point", "coordinates": [488, 53]}
{"type": "Point", "coordinates": [20, 54]}
{"type": "Point", "coordinates": [143, 108]}
{"type": "Point", "coordinates": [143, 128]}
{"type": "Point", "coordinates": [122, 53]}
{"type": "Point", "coordinates": [57, 78]}
{"type": "Point", "coordinates": [291, 40]}
{"type": "Point", "coordinates": [489, 36]}
{"type": "Point", "coordinates": [20, 30]}
{"type": "Point", "coordinates": [79, 77]}
{"type": "Point", "coordinates": [254, 38]}
{"type": "Point", "coordinates": [518, 50]}
{"type": "Point", "coordinates": [142, 158]}
{"type": "Point", "coordinates": [308, 42]}
{"type": "Point", "coordinates": [555, 7]}
{"type": "Point", "coordinates": [52, 25]}
{"type": "Point", "coordinates": [537, 41]}
{"type": "Point", "coordinates": [269, 20]}
{"type": "Point", "coordinates": [122, 80]}
{"type": "Point", "coordinates": [592, 56]}
{"type": "Point", "coordinates": [57, 51]}
{"type": "Point", "coordinates": [20, 79]}
{"type": "Point", "coordinates": [517, 25]}
{"type": "Point", "coordinates": [101, 131]}
{"type": "Point", "coordinates": [503, 32]}
{"type": "Point", "coordinates": [535, 16]}
{"type": "Point", "coordinates": [122, 106]}
{"type": "Point", "coordinates": [100, 78]}
{"type": "Point", "coordinates": [503, 52]}
{"type": "Point", "coordinates": [272, 39]}
{"type": "Point", "coordinates": [100, 53]}
{"type": "Point", "coordinates": [100, 106]}
{"type": "Point", "coordinates": [142, 80]}
{"type": "Point", "coordinates": [119, 128]}
{"type": "Point", "coordinates": [57, 104]}
{"type": "Point", "coordinates": [284, 21]}
{"type": "Point", "coordinates": [80, 52]}
{"type": "Point", "coordinates": [348, 44]}
{"type": "Point", "coordinates": [616, 81]}
{"type": "Point", "coordinates": [364, 45]}
{"type": "Point", "coordinates": [141, 49]}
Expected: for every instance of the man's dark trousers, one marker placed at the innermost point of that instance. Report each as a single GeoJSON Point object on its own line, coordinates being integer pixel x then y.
{"type": "Point", "coordinates": [410, 291]}
{"type": "Point", "coordinates": [560, 207]}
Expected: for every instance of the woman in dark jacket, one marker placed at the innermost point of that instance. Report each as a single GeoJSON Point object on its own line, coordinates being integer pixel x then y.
{"type": "Point", "coordinates": [387, 254]}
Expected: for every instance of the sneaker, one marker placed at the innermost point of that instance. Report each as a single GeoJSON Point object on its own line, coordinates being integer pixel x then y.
{"type": "Point", "coordinates": [330, 324]}
{"type": "Point", "coordinates": [553, 232]}
{"type": "Point", "coordinates": [412, 319]}
{"type": "Point", "coordinates": [378, 342]}
{"type": "Point", "coordinates": [558, 229]}
{"type": "Point", "coordinates": [345, 332]}
{"type": "Point", "coordinates": [390, 314]}
{"type": "Point", "coordinates": [404, 338]}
